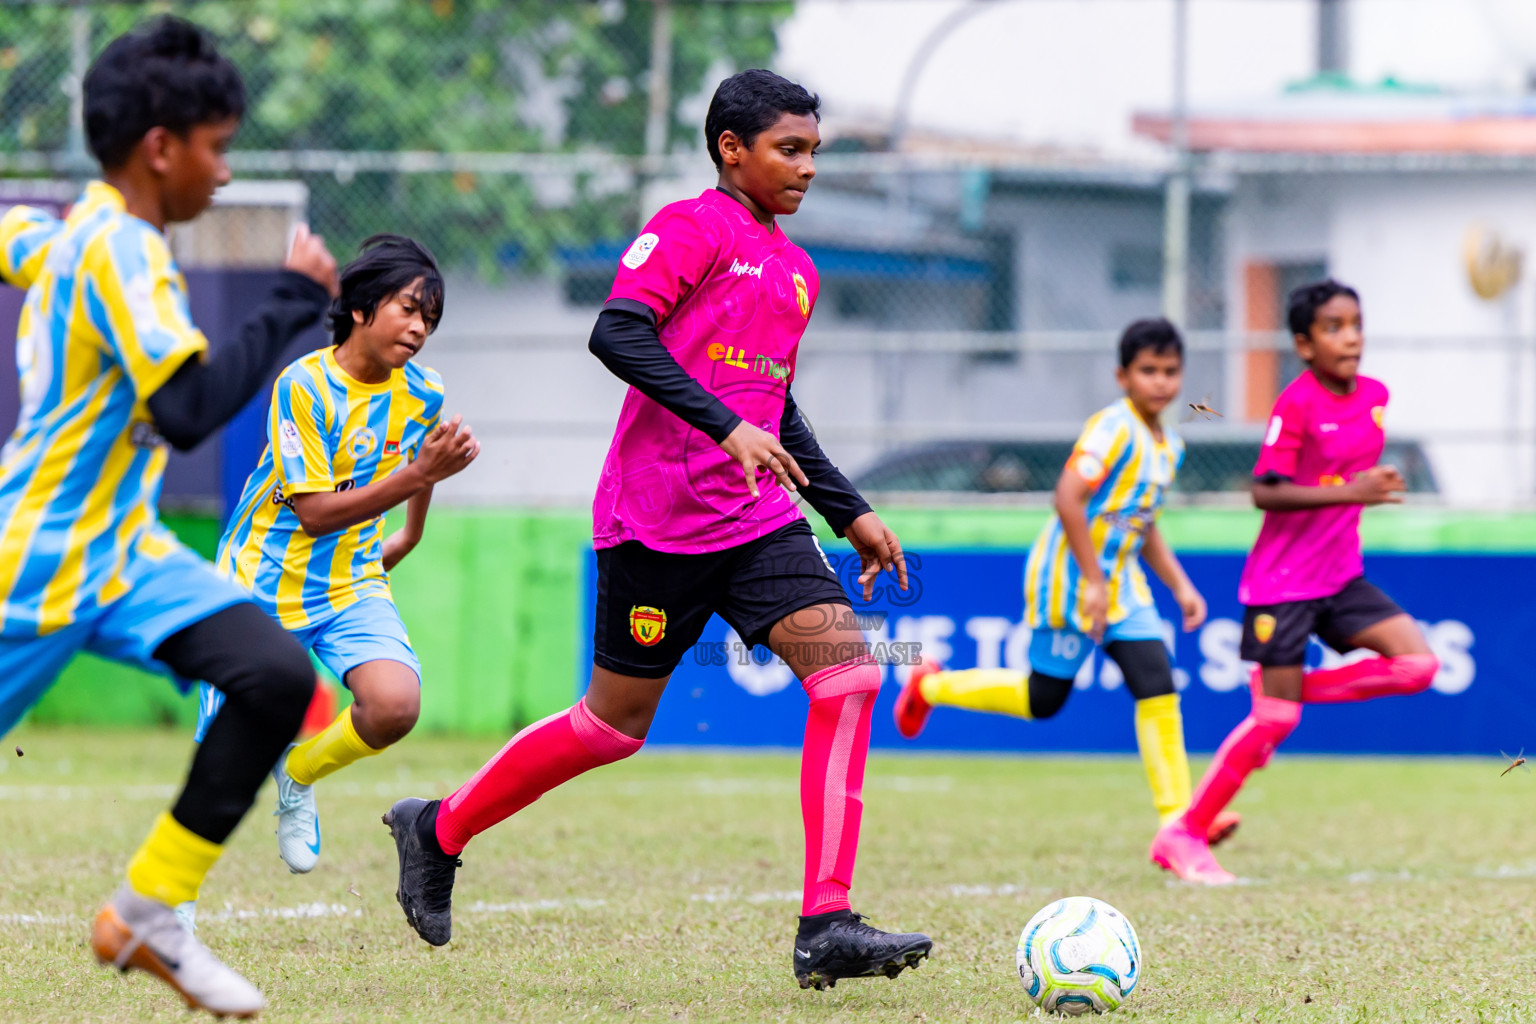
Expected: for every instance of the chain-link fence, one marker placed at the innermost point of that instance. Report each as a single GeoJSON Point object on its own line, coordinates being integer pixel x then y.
{"type": "Point", "coordinates": [970, 292]}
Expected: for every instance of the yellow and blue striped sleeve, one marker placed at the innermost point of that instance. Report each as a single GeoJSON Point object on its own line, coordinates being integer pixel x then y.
{"type": "Point", "coordinates": [1103, 441]}
{"type": "Point", "coordinates": [298, 435]}
{"type": "Point", "coordinates": [25, 234]}
{"type": "Point", "coordinates": [138, 301]}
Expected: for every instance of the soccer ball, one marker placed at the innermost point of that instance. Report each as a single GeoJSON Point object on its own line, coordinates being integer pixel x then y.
{"type": "Point", "coordinates": [1079, 955]}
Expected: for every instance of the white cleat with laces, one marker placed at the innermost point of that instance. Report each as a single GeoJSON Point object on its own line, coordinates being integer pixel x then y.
{"type": "Point", "coordinates": [298, 820]}
{"type": "Point", "coordinates": [133, 931]}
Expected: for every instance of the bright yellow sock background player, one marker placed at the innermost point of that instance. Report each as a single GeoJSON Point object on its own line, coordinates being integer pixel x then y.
{"type": "Point", "coordinates": [1084, 585]}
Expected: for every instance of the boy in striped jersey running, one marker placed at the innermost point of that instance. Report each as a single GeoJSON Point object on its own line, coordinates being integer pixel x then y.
{"type": "Point", "coordinates": [354, 430]}
{"type": "Point", "coordinates": [1083, 583]}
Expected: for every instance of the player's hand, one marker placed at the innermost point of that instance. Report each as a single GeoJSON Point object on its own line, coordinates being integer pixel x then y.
{"type": "Point", "coordinates": [1192, 605]}
{"type": "Point", "coordinates": [308, 255]}
{"type": "Point", "coordinates": [754, 449]}
{"type": "Point", "coordinates": [446, 451]}
{"type": "Point", "coordinates": [396, 546]}
{"type": "Point", "coordinates": [1379, 485]}
{"type": "Point", "coordinates": [1096, 608]}
{"type": "Point", "coordinates": [878, 549]}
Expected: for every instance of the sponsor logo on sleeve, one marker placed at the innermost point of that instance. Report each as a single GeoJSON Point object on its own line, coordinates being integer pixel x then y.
{"type": "Point", "coordinates": [1274, 431]}
{"type": "Point", "coordinates": [647, 625]}
{"type": "Point", "coordinates": [288, 440]}
{"type": "Point", "coordinates": [640, 250]}
{"type": "Point", "coordinates": [1089, 467]}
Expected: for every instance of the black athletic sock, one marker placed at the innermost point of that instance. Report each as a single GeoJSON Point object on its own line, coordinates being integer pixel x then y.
{"type": "Point", "coordinates": [267, 681]}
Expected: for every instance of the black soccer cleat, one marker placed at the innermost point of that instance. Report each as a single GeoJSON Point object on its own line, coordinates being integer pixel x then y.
{"type": "Point", "coordinates": [425, 891]}
{"type": "Point", "coordinates": [840, 945]}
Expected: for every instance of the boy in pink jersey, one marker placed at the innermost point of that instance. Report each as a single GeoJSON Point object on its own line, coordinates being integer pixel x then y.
{"type": "Point", "coordinates": [693, 517]}
{"type": "Point", "coordinates": [1305, 575]}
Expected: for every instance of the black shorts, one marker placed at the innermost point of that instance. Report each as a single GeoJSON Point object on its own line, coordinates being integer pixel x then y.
{"type": "Point", "coordinates": [652, 605]}
{"type": "Point", "coordinates": [1276, 634]}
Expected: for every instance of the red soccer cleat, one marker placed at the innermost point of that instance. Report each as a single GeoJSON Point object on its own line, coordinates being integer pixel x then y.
{"type": "Point", "coordinates": [1175, 848]}
{"type": "Point", "coordinates": [1222, 828]}
{"type": "Point", "coordinates": [911, 710]}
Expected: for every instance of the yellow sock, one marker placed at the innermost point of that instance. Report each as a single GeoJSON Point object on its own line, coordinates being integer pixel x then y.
{"type": "Point", "coordinates": [1160, 735]}
{"type": "Point", "coordinates": [172, 863]}
{"type": "Point", "coordinates": [335, 746]}
{"type": "Point", "coordinates": [1002, 691]}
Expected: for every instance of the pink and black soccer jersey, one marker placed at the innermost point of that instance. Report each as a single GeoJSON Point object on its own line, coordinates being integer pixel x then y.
{"type": "Point", "coordinates": [1317, 439]}
{"type": "Point", "coordinates": [732, 299]}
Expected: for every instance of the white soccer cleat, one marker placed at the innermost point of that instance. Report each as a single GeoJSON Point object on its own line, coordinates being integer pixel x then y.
{"type": "Point", "coordinates": [298, 820]}
{"type": "Point", "coordinates": [133, 931]}
{"type": "Point", "coordinates": [186, 913]}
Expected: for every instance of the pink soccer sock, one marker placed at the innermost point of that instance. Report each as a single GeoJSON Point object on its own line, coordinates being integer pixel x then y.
{"type": "Point", "coordinates": [1373, 677]}
{"type": "Point", "coordinates": [1246, 748]}
{"type": "Point", "coordinates": [832, 778]}
{"type": "Point", "coordinates": [533, 762]}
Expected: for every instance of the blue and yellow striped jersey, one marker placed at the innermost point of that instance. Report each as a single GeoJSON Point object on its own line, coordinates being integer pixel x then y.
{"type": "Point", "coordinates": [105, 323]}
{"type": "Point", "coordinates": [326, 431]}
{"type": "Point", "coordinates": [1132, 471]}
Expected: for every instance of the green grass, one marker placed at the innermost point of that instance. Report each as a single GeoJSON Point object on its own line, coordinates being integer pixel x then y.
{"type": "Point", "coordinates": [659, 889]}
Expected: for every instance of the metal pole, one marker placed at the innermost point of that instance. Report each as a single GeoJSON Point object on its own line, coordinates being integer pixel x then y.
{"type": "Point", "coordinates": [79, 62]}
{"type": "Point", "coordinates": [1176, 191]}
{"type": "Point", "coordinates": [658, 115]}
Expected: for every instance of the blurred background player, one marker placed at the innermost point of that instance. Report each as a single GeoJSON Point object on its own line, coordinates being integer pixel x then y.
{"type": "Point", "coordinates": [704, 321]}
{"type": "Point", "coordinates": [353, 431]}
{"type": "Point", "coordinates": [1083, 583]}
{"type": "Point", "coordinates": [1316, 470]}
{"type": "Point", "coordinates": [112, 370]}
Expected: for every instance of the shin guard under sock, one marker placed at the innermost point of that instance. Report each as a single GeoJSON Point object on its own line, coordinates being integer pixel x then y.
{"type": "Point", "coordinates": [1372, 677]}
{"type": "Point", "coordinates": [533, 762]}
{"type": "Point", "coordinates": [832, 778]}
{"type": "Point", "coordinates": [1246, 748]}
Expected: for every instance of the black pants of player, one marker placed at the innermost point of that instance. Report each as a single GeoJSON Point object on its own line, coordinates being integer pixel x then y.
{"type": "Point", "coordinates": [267, 681]}
{"type": "Point", "coordinates": [1144, 663]}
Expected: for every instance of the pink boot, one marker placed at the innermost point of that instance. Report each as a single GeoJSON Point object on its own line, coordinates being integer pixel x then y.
{"type": "Point", "coordinates": [1175, 848]}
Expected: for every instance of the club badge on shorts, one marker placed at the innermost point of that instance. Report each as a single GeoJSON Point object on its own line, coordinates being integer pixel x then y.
{"type": "Point", "coordinates": [647, 625]}
{"type": "Point", "coordinates": [1263, 628]}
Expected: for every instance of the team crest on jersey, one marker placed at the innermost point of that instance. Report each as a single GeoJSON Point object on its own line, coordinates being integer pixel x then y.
{"type": "Point", "coordinates": [640, 250]}
{"type": "Point", "coordinates": [361, 443]}
{"type": "Point", "coordinates": [802, 296]}
{"type": "Point", "coordinates": [1263, 628]}
{"type": "Point", "coordinates": [647, 625]}
{"type": "Point", "coordinates": [1378, 412]}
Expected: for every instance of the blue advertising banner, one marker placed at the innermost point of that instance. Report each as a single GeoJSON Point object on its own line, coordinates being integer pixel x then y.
{"type": "Point", "coordinates": [965, 608]}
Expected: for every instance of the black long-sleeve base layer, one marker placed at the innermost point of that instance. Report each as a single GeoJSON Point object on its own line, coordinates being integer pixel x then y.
{"type": "Point", "coordinates": [203, 394]}
{"type": "Point", "coordinates": [626, 340]}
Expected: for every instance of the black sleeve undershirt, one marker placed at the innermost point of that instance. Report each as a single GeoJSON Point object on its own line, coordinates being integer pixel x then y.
{"type": "Point", "coordinates": [626, 341]}
{"type": "Point", "coordinates": [203, 394]}
{"type": "Point", "coordinates": [829, 492]}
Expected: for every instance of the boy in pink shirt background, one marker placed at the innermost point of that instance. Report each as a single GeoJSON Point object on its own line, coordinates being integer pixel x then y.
{"type": "Point", "coordinates": [1305, 574]}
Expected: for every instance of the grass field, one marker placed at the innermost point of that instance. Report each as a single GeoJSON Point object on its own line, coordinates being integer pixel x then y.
{"type": "Point", "coordinates": [663, 888]}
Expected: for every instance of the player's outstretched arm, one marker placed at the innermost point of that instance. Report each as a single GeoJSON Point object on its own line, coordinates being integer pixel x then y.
{"type": "Point", "coordinates": [1072, 493]}
{"type": "Point", "coordinates": [203, 394]}
{"type": "Point", "coordinates": [1161, 559]}
{"type": "Point", "coordinates": [1379, 485]}
{"type": "Point", "coordinates": [446, 451]}
{"type": "Point", "coordinates": [403, 541]}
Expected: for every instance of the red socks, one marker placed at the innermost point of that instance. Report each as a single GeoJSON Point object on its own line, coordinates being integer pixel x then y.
{"type": "Point", "coordinates": [1246, 748]}
{"type": "Point", "coordinates": [832, 778]}
{"type": "Point", "coordinates": [1373, 677]}
{"type": "Point", "coordinates": [536, 760]}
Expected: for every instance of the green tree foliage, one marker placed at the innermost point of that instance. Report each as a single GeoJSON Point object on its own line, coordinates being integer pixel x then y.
{"type": "Point", "coordinates": [443, 76]}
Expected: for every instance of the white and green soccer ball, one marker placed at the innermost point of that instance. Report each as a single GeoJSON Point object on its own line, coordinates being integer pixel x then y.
{"type": "Point", "coordinates": [1079, 955]}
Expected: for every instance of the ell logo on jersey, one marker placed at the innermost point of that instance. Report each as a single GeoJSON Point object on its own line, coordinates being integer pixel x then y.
{"type": "Point", "coordinates": [647, 625]}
